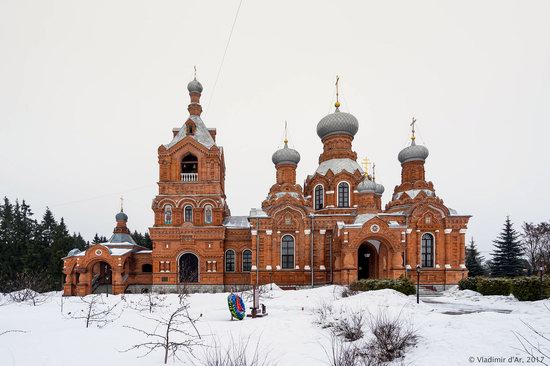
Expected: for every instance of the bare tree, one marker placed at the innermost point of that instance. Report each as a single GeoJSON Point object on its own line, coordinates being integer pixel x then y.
{"type": "Point", "coordinates": [536, 243]}
{"type": "Point", "coordinates": [96, 311]}
{"type": "Point", "coordinates": [27, 287]}
{"type": "Point", "coordinates": [147, 302]}
{"type": "Point", "coordinates": [172, 334]}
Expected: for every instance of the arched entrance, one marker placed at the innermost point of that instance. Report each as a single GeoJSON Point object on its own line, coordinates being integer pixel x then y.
{"type": "Point", "coordinates": [367, 261]}
{"type": "Point", "coordinates": [102, 278]}
{"type": "Point", "coordinates": [188, 268]}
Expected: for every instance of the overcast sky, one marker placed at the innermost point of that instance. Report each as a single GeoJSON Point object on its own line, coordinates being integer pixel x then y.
{"type": "Point", "coordinates": [90, 89]}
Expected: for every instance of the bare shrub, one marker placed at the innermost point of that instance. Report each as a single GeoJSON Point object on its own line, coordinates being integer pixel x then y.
{"type": "Point", "coordinates": [236, 354]}
{"type": "Point", "coordinates": [27, 288]}
{"type": "Point", "coordinates": [392, 336]}
{"type": "Point", "coordinates": [536, 346]}
{"type": "Point", "coordinates": [324, 315]}
{"type": "Point", "coordinates": [147, 302]}
{"type": "Point", "coordinates": [346, 292]}
{"type": "Point", "coordinates": [96, 311]}
{"type": "Point", "coordinates": [351, 326]}
{"type": "Point", "coordinates": [172, 334]}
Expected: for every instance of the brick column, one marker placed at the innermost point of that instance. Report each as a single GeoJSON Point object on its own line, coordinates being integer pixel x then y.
{"type": "Point", "coordinates": [448, 246]}
{"type": "Point", "coordinates": [462, 246]}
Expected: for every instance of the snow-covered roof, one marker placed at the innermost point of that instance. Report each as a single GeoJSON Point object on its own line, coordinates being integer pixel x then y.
{"type": "Point", "coordinates": [338, 165]}
{"type": "Point", "coordinates": [121, 238]}
{"type": "Point", "coordinates": [257, 212]}
{"type": "Point", "coordinates": [361, 219]}
{"type": "Point", "coordinates": [240, 222]}
{"type": "Point", "coordinates": [201, 134]}
{"type": "Point", "coordinates": [293, 194]}
{"type": "Point", "coordinates": [119, 251]}
{"type": "Point", "coordinates": [413, 193]}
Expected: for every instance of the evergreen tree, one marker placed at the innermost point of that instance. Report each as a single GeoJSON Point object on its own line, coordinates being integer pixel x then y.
{"type": "Point", "coordinates": [99, 239]}
{"type": "Point", "coordinates": [507, 256]}
{"type": "Point", "coordinates": [474, 260]}
{"type": "Point", "coordinates": [142, 239]}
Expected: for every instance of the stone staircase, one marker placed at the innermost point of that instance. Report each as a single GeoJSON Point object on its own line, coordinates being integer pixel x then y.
{"type": "Point", "coordinates": [429, 291]}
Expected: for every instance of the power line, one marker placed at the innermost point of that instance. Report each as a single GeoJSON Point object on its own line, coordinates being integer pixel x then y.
{"type": "Point", "coordinates": [223, 57]}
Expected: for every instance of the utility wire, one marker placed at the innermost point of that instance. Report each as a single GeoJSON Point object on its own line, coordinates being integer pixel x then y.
{"type": "Point", "coordinates": [223, 57]}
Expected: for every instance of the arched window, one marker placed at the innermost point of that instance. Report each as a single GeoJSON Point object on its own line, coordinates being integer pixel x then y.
{"type": "Point", "coordinates": [247, 260]}
{"type": "Point", "coordinates": [147, 268]}
{"type": "Point", "coordinates": [427, 250]}
{"type": "Point", "coordinates": [287, 252]}
{"type": "Point", "coordinates": [189, 168]}
{"type": "Point", "coordinates": [208, 214]}
{"type": "Point", "coordinates": [168, 215]}
{"type": "Point", "coordinates": [319, 197]}
{"type": "Point", "coordinates": [230, 261]}
{"type": "Point", "coordinates": [343, 194]}
{"type": "Point", "coordinates": [188, 213]}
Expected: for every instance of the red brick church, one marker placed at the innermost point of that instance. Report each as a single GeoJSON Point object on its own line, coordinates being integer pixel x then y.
{"type": "Point", "coordinates": [332, 229]}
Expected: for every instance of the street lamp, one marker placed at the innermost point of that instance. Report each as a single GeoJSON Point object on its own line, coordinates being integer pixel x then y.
{"type": "Point", "coordinates": [418, 270]}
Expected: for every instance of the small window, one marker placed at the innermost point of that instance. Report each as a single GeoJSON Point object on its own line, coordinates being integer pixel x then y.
{"type": "Point", "coordinates": [247, 260]}
{"type": "Point", "coordinates": [147, 268]}
{"type": "Point", "coordinates": [168, 215]}
{"type": "Point", "coordinates": [343, 194]}
{"type": "Point", "coordinates": [188, 214]}
{"type": "Point", "coordinates": [427, 250]}
{"type": "Point", "coordinates": [230, 261]}
{"type": "Point", "coordinates": [319, 197]}
{"type": "Point", "coordinates": [287, 252]}
{"type": "Point", "coordinates": [208, 214]}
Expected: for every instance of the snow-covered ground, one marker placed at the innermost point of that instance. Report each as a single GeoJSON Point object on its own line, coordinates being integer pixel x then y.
{"type": "Point", "coordinates": [452, 328]}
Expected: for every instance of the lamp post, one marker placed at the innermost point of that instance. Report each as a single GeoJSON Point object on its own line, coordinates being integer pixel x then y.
{"type": "Point", "coordinates": [418, 270]}
{"type": "Point", "coordinates": [541, 268]}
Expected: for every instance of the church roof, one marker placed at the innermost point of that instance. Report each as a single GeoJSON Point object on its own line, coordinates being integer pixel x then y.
{"type": "Point", "coordinates": [201, 134]}
{"type": "Point", "coordinates": [338, 165]}
{"type": "Point", "coordinates": [121, 238]}
{"type": "Point", "coordinates": [236, 222]}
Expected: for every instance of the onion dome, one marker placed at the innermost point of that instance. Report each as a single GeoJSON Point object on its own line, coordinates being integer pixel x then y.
{"type": "Point", "coordinates": [337, 123]}
{"type": "Point", "coordinates": [286, 155]}
{"type": "Point", "coordinates": [379, 189]}
{"type": "Point", "coordinates": [121, 216]}
{"type": "Point", "coordinates": [366, 185]}
{"type": "Point", "coordinates": [413, 152]}
{"type": "Point", "coordinates": [194, 86]}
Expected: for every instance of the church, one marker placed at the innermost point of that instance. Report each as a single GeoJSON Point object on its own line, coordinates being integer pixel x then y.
{"type": "Point", "coordinates": [332, 230]}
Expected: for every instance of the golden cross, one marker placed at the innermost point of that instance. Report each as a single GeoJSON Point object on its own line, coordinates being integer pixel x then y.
{"type": "Point", "coordinates": [366, 163]}
{"type": "Point", "coordinates": [412, 124]}
{"type": "Point", "coordinates": [337, 104]}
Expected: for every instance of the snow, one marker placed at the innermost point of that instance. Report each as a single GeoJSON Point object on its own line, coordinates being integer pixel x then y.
{"type": "Point", "coordinates": [452, 327]}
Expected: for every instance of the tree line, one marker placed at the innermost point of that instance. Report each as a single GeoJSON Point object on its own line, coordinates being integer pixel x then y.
{"type": "Point", "coordinates": [514, 253]}
{"type": "Point", "coordinates": [31, 248]}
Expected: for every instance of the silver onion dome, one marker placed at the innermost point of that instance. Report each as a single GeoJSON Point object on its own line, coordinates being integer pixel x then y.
{"type": "Point", "coordinates": [337, 123]}
{"type": "Point", "coordinates": [366, 185]}
{"type": "Point", "coordinates": [286, 155]}
{"type": "Point", "coordinates": [379, 189]}
{"type": "Point", "coordinates": [413, 152]}
{"type": "Point", "coordinates": [121, 216]}
{"type": "Point", "coordinates": [194, 86]}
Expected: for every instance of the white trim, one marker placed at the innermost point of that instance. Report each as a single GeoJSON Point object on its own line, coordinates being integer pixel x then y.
{"type": "Point", "coordinates": [462, 231]}
{"type": "Point", "coordinates": [225, 261]}
{"type": "Point", "coordinates": [338, 195]}
{"type": "Point", "coordinates": [448, 231]}
{"type": "Point", "coordinates": [307, 231]}
{"type": "Point", "coordinates": [322, 196]}
{"type": "Point", "coordinates": [242, 259]}
{"type": "Point", "coordinates": [269, 232]}
{"type": "Point", "coordinates": [293, 250]}
{"type": "Point", "coordinates": [322, 231]}
{"type": "Point", "coordinates": [409, 231]}
{"type": "Point", "coordinates": [329, 192]}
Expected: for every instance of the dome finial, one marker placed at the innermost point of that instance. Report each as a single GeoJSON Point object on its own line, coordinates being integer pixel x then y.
{"type": "Point", "coordinates": [286, 134]}
{"type": "Point", "coordinates": [337, 104]}
{"type": "Point", "coordinates": [195, 72]}
{"type": "Point", "coordinates": [121, 203]}
{"type": "Point", "coordinates": [413, 137]}
{"type": "Point", "coordinates": [366, 163]}
{"type": "Point", "coordinates": [373, 171]}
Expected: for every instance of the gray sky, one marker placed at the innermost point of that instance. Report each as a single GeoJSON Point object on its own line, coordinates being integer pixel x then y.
{"type": "Point", "coordinates": [90, 89]}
